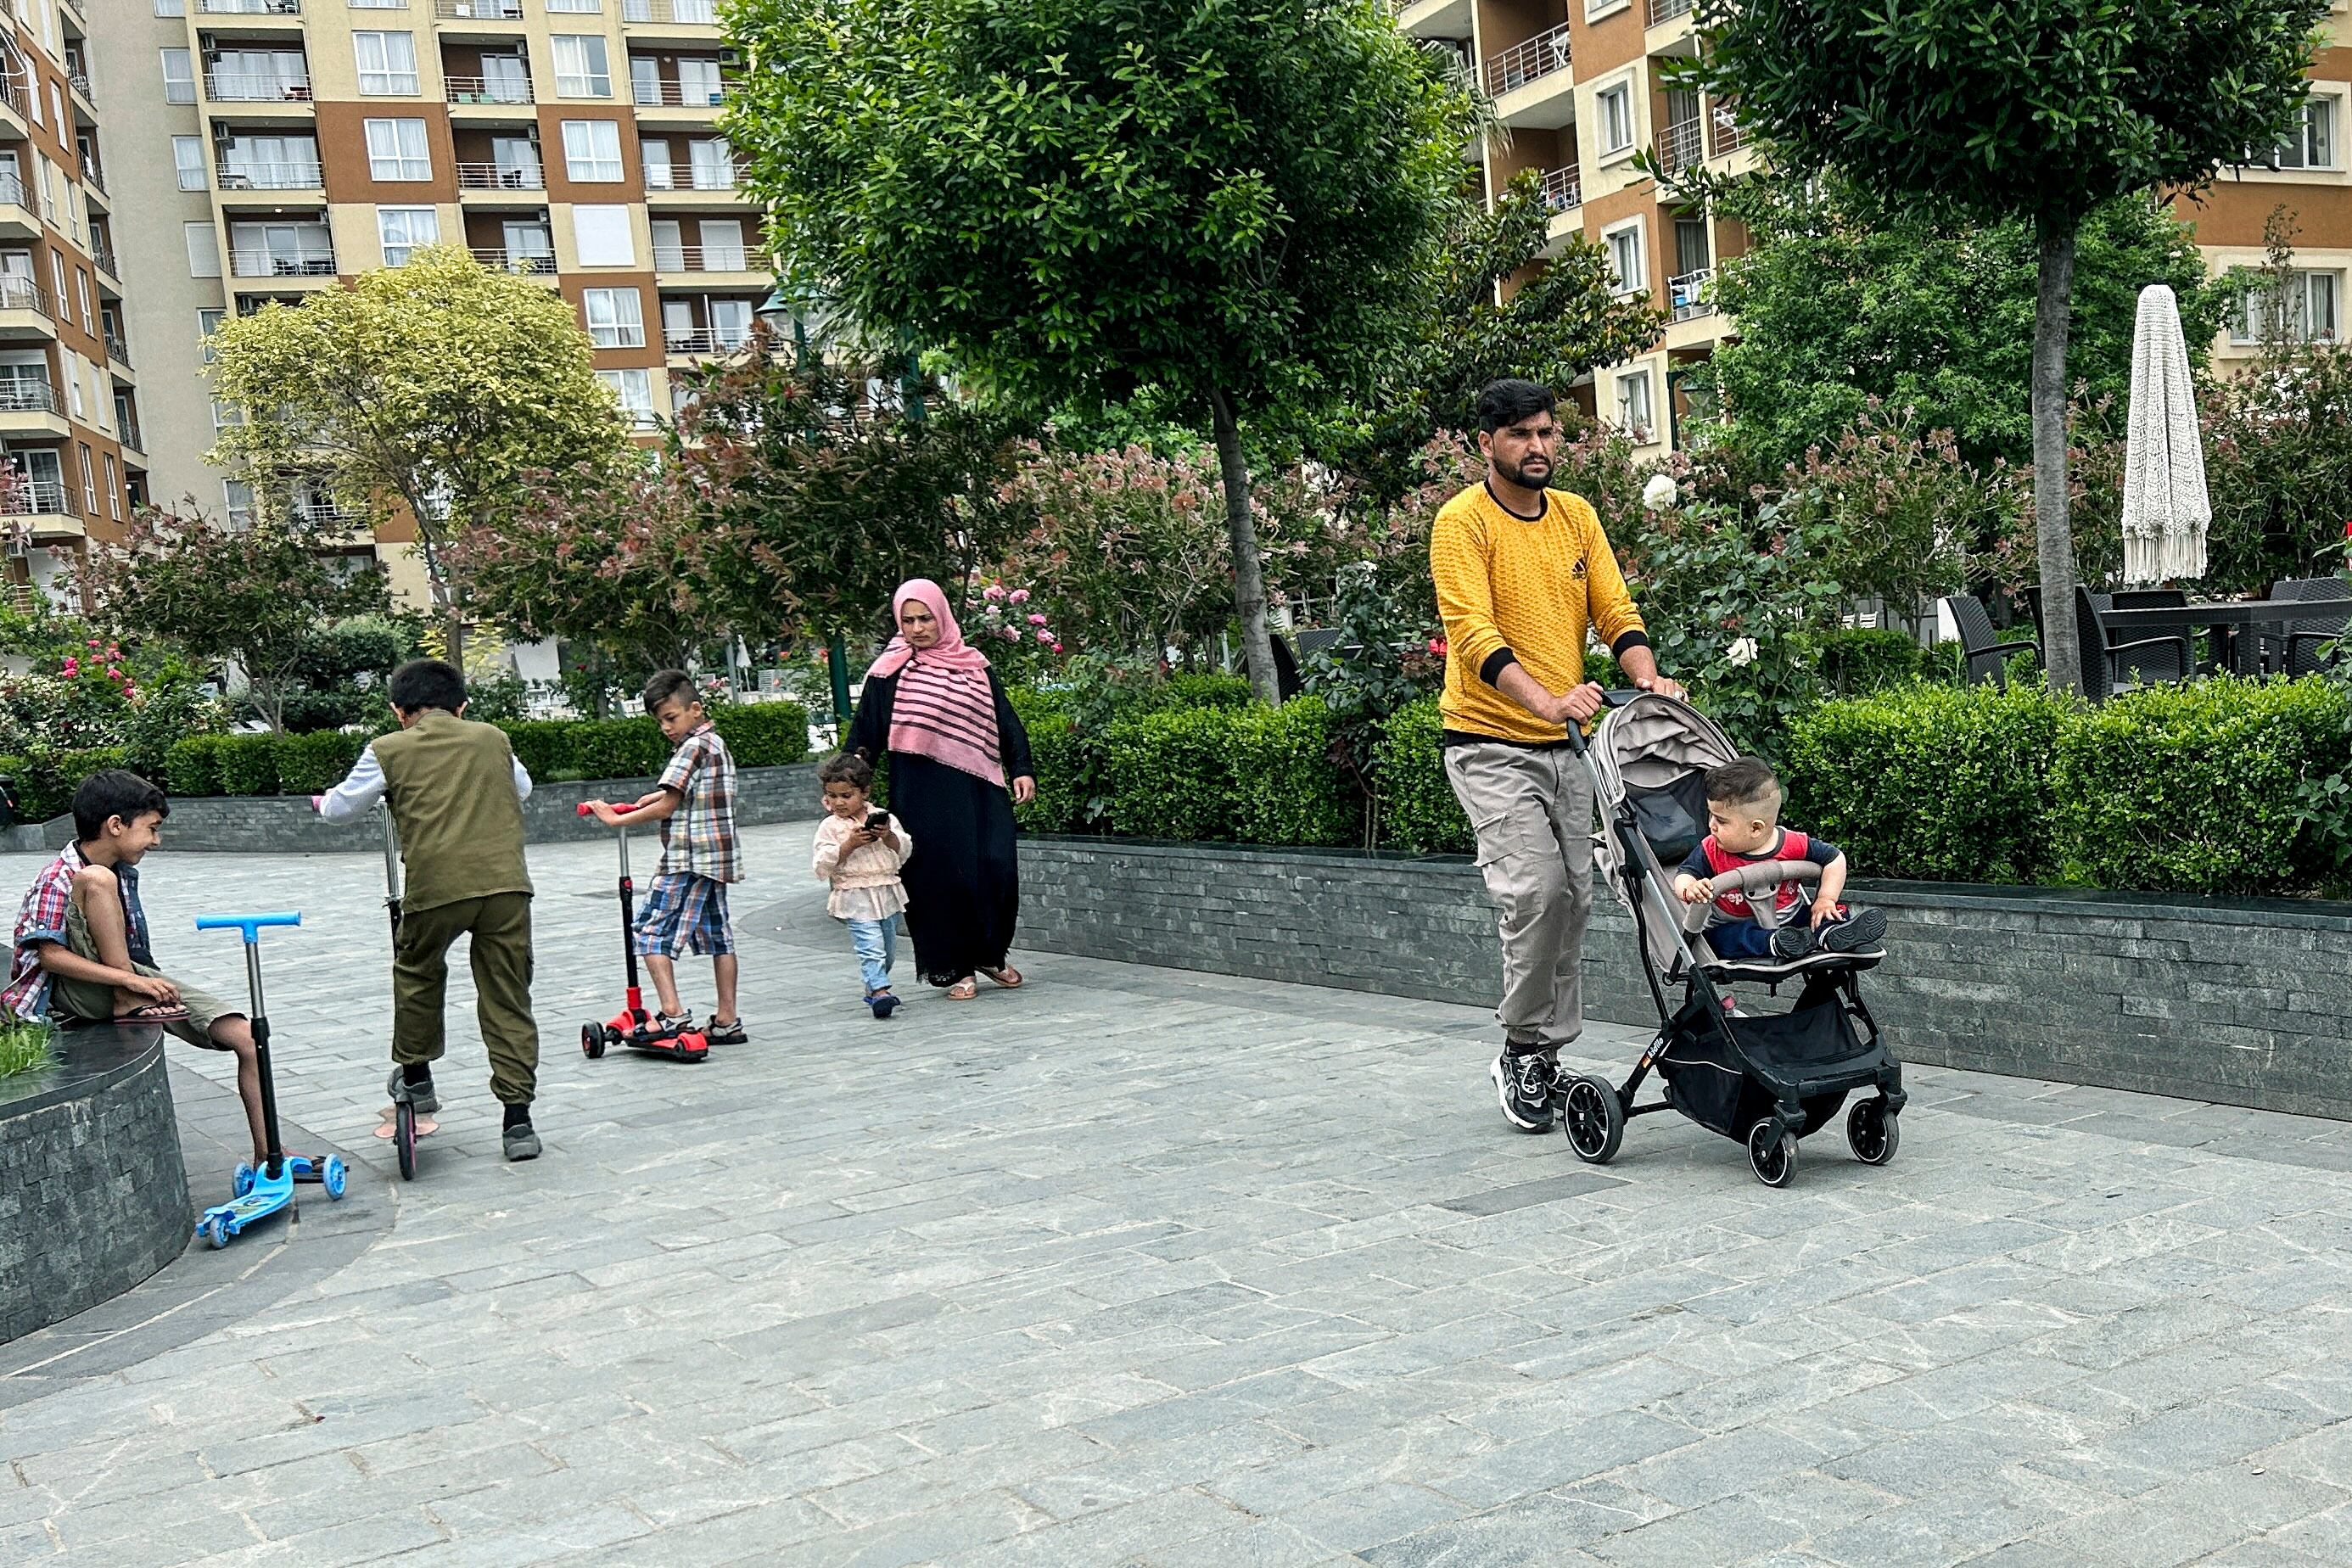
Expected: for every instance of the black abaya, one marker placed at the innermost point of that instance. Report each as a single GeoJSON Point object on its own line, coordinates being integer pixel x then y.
{"type": "Point", "coordinates": [963, 882]}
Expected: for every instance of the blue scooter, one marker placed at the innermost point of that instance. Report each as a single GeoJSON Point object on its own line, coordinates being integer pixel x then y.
{"type": "Point", "coordinates": [262, 1193]}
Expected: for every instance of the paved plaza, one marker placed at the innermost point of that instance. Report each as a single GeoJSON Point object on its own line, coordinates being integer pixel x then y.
{"type": "Point", "coordinates": [1143, 1267]}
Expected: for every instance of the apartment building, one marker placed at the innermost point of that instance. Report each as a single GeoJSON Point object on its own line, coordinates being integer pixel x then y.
{"type": "Point", "coordinates": [68, 396]}
{"type": "Point", "coordinates": [284, 146]}
{"type": "Point", "coordinates": [1581, 86]}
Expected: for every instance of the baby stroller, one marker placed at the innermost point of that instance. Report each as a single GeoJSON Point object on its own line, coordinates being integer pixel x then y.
{"type": "Point", "coordinates": [1761, 1080]}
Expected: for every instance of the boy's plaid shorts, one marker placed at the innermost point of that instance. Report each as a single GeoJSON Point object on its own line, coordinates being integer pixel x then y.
{"type": "Point", "coordinates": [683, 910]}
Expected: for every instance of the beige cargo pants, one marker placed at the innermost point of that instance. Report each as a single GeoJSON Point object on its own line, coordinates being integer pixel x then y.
{"type": "Point", "coordinates": [1532, 812]}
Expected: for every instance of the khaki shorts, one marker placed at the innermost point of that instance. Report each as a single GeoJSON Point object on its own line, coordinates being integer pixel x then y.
{"type": "Point", "coordinates": [88, 1002]}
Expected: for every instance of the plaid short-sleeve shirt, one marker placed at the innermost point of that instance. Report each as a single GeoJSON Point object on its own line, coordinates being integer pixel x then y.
{"type": "Point", "coordinates": [700, 839]}
{"type": "Point", "coordinates": [42, 918]}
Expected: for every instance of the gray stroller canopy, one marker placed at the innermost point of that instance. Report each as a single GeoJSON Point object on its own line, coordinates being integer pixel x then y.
{"type": "Point", "coordinates": [1651, 756]}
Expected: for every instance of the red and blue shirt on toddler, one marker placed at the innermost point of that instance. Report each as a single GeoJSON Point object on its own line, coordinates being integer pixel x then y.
{"type": "Point", "coordinates": [1710, 860]}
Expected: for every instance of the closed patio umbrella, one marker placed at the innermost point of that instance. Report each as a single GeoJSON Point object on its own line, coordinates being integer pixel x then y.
{"type": "Point", "coordinates": [2166, 507]}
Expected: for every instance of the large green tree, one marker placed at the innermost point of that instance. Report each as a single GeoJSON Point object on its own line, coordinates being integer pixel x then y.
{"type": "Point", "coordinates": [436, 386]}
{"type": "Point", "coordinates": [1234, 200]}
{"type": "Point", "coordinates": [2042, 110]}
{"type": "Point", "coordinates": [1840, 302]}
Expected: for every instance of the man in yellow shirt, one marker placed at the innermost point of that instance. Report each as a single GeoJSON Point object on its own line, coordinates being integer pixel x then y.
{"type": "Point", "coordinates": [1523, 572]}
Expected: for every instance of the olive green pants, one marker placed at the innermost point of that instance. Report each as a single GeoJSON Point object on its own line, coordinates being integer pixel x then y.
{"type": "Point", "coordinates": [501, 927]}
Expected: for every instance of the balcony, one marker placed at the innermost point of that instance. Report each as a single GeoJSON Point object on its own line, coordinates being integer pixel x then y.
{"type": "Point", "coordinates": [250, 174]}
{"type": "Point", "coordinates": [690, 13]}
{"type": "Point", "coordinates": [93, 176]}
{"type": "Point", "coordinates": [1520, 63]}
{"type": "Point", "coordinates": [250, 7]}
{"type": "Point", "coordinates": [326, 516]}
{"type": "Point", "coordinates": [129, 435]}
{"type": "Point", "coordinates": [33, 498]}
{"type": "Point", "coordinates": [1562, 189]}
{"type": "Point", "coordinates": [25, 309]}
{"type": "Point", "coordinates": [282, 264]}
{"type": "Point", "coordinates": [501, 177]}
{"type": "Point", "coordinates": [674, 95]}
{"type": "Point", "coordinates": [707, 259]}
{"type": "Point", "coordinates": [101, 255]}
{"type": "Point", "coordinates": [17, 219]}
{"type": "Point", "coordinates": [704, 342]}
{"type": "Point", "coordinates": [477, 10]}
{"type": "Point", "coordinates": [248, 87]}
{"type": "Point", "coordinates": [80, 82]}
{"type": "Point", "coordinates": [1729, 135]}
{"type": "Point", "coordinates": [1687, 295]}
{"type": "Point", "coordinates": [27, 394]}
{"type": "Point", "coordinates": [522, 263]}
{"type": "Point", "coordinates": [117, 351]}
{"type": "Point", "coordinates": [1664, 11]}
{"type": "Point", "coordinates": [689, 177]}
{"type": "Point", "coordinates": [481, 89]}
{"type": "Point", "coordinates": [1681, 144]}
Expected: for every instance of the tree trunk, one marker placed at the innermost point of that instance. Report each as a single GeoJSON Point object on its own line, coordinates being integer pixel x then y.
{"type": "Point", "coordinates": [1249, 573]}
{"type": "Point", "coordinates": [2061, 661]}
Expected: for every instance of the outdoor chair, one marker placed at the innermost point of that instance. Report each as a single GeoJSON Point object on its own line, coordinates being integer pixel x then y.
{"type": "Point", "coordinates": [2303, 649]}
{"type": "Point", "coordinates": [2165, 657]}
{"type": "Point", "coordinates": [1287, 682]}
{"type": "Point", "coordinates": [2167, 599]}
{"type": "Point", "coordinates": [1984, 657]}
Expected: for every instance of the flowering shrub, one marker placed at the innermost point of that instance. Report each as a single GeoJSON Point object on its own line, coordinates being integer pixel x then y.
{"type": "Point", "coordinates": [1018, 638]}
{"type": "Point", "coordinates": [94, 698]}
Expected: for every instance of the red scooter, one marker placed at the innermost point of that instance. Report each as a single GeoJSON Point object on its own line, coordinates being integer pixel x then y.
{"type": "Point", "coordinates": [634, 1026]}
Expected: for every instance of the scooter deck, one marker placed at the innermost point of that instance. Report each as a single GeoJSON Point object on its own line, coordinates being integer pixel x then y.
{"type": "Point", "coordinates": [425, 1124]}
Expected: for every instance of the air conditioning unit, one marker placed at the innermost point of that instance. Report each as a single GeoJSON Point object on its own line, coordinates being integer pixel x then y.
{"type": "Point", "coordinates": [19, 547]}
{"type": "Point", "coordinates": [731, 56]}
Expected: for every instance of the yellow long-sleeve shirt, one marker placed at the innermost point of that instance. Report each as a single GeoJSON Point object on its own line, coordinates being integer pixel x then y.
{"type": "Point", "coordinates": [1520, 590]}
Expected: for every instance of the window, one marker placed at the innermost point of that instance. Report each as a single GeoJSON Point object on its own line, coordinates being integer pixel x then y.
{"type": "Point", "coordinates": [387, 63]}
{"type": "Point", "coordinates": [592, 151]}
{"type": "Point", "coordinates": [377, 5]}
{"type": "Point", "coordinates": [397, 150]}
{"type": "Point", "coordinates": [57, 279]}
{"type": "Point", "coordinates": [645, 80]}
{"type": "Point", "coordinates": [236, 500]}
{"type": "Point", "coordinates": [179, 77]}
{"type": "Point", "coordinates": [2311, 143]}
{"type": "Point", "coordinates": [36, 106]}
{"type": "Point", "coordinates": [585, 7]}
{"type": "Point", "coordinates": [225, 415]}
{"type": "Point", "coordinates": [730, 322]}
{"type": "Point", "coordinates": [653, 154]}
{"type": "Point", "coordinates": [1614, 107]}
{"type": "Point", "coordinates": [1691, 246]}
{"type": "Point", "coordinates": [615, 320]}
{"type": "Point", "coordinates": [57, 106]}
{"type": "Point", "coordinates": [582, 69]}
{"type": "Point", "coordinates": [1633, 404]}
{"type": "Point", "coordinates": [636, 391]}
{"type": "Point", "coordinates": [203, 249]}
{"type": "Point", "coordinates": [188, 157]}
{"type": "Point", "coordinates": [171, 7]}
{"type": "Point", "coordinates": [603, 237]}
{"type": "Point", "coordinates": [403, 229]}
{"type": "Point", "coordinates": [71, 365]}
{"type": "Point", "coordinates": [207, 323]}
{"type": "Point", "coordinates": [698, 83]}
{"type": "Point", "coordinates": [713, 166]}
{"type": "Point", "coordinates": [113, 488]}
{"type": "Point", "coordinates": [81, 299]}
{"type": "Point", "coordinates": [88, 481]}
{"type": "Point", "coordinates": [1625, 259]}
{"type": "Point", "coordinates": [2305, 309]}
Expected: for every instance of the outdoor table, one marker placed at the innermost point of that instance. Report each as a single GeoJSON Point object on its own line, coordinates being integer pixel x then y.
{"type": "Point", "coordinates": [2241, 622]}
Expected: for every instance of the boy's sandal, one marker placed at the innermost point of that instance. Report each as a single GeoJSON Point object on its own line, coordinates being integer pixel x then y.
{"type": "Point", "coordinates": [963, 990]}
{"type": "Point", "coordinates": [153, 1013]}
{"type": "Point", "coordinates": [1008, 977]}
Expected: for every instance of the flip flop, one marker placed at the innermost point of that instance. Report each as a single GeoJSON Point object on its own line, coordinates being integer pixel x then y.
{"type": "Point", "coordinates": [963, 990]}
{"type": "Point", "coordinates": [153, 1013]}
{"type": "Point", "coordinates": [996, 977]}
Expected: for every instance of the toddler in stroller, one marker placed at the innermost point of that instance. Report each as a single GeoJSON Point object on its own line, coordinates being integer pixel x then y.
{"type": "Point", "coordinates": [1743, 819]}
{"type": "Point", "coordinates": [1763, 1081]}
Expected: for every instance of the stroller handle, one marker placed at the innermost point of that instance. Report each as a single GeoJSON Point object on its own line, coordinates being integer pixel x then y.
{"type": "Point", "coordinates": [1750, 878]}
{"type": "Point", "coordinates": [1610, 698]}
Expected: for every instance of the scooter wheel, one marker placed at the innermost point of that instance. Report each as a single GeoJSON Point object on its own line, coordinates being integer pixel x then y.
{"type": "Point", "coordinates": [214, 1230]}
{"type": "Point", "coordinates": [333, 1175]}
{"type": "Point", "coordinates": [592, 1040]}
{"type": "Point", "coordinates": [240, 1181]}
{"type": "Point", "coordinates": [1772, 1158]}
{"type": "Point", "coordinates": [404, 1140]}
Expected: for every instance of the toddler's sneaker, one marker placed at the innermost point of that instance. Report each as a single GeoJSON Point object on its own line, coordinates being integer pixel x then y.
{"type": "Point", "coordinates": [1791, 942]}
{"type": "Point", "coordinates": [1858, 932]}
{"type": "Point", "coordinates": [884, 1003]}
{"type": "Point", "coordinates": [727, 1034]}
{"type": "Point", "coordinates": [1526, 1082]}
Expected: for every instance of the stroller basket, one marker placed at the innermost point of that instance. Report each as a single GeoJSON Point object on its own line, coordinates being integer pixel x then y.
{"type": "Point", "coordinates": [1727, 1073]}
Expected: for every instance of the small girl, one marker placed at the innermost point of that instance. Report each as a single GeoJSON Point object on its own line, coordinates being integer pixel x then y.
{"type": "Point", "coordinates": [859, 853]}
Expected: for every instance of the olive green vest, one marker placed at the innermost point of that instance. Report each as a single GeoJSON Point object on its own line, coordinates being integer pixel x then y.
{"type": "Point", "coordinates": [450, 785]}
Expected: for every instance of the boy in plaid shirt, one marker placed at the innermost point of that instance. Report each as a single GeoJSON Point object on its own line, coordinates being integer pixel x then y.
{"type": "Point", "coordinates": [688, 904]}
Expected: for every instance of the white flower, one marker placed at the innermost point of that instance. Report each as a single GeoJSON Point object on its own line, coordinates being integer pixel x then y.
{"type": "Point", "coordinates": [1742, 652]}
{"type": "Point", "coordinates": [1659, 493]}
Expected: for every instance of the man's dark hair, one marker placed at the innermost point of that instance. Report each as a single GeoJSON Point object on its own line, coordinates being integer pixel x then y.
{"type": "Point", "coordinates": [1748, 781]}
{"type": "Point", "coordinates": [1505, 403]}
{"type": "Point", "coordinates": [111, 792]}
{"type": "Point", "coordinates": [427, 683]}
{"type": "Point", "coordinates": [668, 684]}
{"type": "Point", "coordinates": [848, 768]}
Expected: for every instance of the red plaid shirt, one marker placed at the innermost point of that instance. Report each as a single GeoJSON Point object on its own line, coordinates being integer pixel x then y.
{"type": "Point", "coordinates": [700, 837]}
{"type": "Point", "coordinates": [42, 918]}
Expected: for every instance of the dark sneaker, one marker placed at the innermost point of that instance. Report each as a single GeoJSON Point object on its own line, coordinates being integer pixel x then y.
{"type": "Point", "coordinates": [883, 1002]}
{"type": "Point", "coordinates": [521, 1141]}
{"type": "Point", "coordinates": [1526, 1082]}
{"type": "Point", "coordinates": [719, 1034]}
{"type": "Point", "coordinates": [1793, 942]}
{"type": "Point", "coordinates": [418, 1097]}
{"type": "Point", "coordinates": [1861, 932]}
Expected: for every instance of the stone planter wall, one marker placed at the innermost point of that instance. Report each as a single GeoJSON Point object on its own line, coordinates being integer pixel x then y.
{"type": "Point", "coordinates": [2242, 1001]}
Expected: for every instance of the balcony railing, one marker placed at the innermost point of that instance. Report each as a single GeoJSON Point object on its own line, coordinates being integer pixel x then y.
{"type": "Point", "coordinates": [23, 294]}
{"type": "Point", "coordinates": [12, 191]}
{"type": "Point", "coordinates": [1681, 144]}
{"type": "Point", "coordinates": [251, 87]}
{"type": "Point", "coordinates": [80, 82]}
{"type": "Point", "coordinates": [1563, 189]}
{"type": "Point", "coordinates": [688, 177]}
{"type": "Point", "coordinates": [132, 437]}
{"type": "Point", "coordinates": [27, 394]}
{"type": "Point", "coordinates": [1664, 11]}
{"type": "Point", "coordinates": [702, 13]}
{"type": "Point", "coordinates": [102, 257]}
{"type": "Point", "coordinates": [117, 349]}
{"type": "Point", "coordinates": [250, 7]}
{"type": "Point", "coordinates": [1729, 135]}
{"type": "Point", "coordinates": [481, 89]}
{"type": "Point", "coordinates": [1687, 295]}
{"type": "Point", "coordinates": [528, 263]}
{"type": "Point", "coordinates": [249, 175]}
{"type": "Point", "coordinates": [327, 515]}
{"type": "Point", "coordinates": [32, 498]}
{"type": "Point", "coordinates": [705, 341]}
{"type": "Point", "coordinates": [93, 176]}
{"type": "Point", "coordinates": [705, 259]}
{"type": "Point", "coordinates": [656, 94]}
{"type": "Point", "coordinates": [272, 264]}
{"type": "Point", "coordinates": [479, 10]}
{"type": "Point", "coordinates": [1522, 63]}
{"type": "Point", "coordinates": [501, 177]}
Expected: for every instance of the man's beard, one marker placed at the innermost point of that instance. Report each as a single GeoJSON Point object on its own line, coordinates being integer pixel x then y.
{"type": "Point", "coordinates": [1521, 477]}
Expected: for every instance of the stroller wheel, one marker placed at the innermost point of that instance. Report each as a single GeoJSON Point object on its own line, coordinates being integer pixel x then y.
{"type": "Point", "coordinates": [1593, 1118]}
{"type": "Point", "coordinates": [1772, 1158]}
{"type": "Point", "coordinates": [1870, 1132]}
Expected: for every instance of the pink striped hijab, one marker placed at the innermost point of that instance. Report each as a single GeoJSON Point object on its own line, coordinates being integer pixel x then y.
{"type": "Point", "coordinates": [946, 707]}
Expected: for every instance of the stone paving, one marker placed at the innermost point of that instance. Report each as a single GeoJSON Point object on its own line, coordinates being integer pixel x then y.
{"type": "Point", "coordinates": [1140, 1267]}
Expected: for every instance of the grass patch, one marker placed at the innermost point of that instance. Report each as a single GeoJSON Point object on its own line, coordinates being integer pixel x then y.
{"type": "Point", "coordinates": [24, 1045]}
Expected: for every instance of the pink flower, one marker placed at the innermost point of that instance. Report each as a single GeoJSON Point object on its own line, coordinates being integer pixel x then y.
{"type": "Point", "coordinates": [1012, 634]}
{"type": "Point", "coordinates": [1057, 647]}
{"type": "Point", "coordinates": [1035, 620]}
{"type": "Point", "coordinates": [1437, 647]}
{"type": "Point", "coordinates": [93, 642]}
{"type": "Point", "coordinates": [993, 592]}
{"type": "Point", "coordinates": [1020, 595]}
{"type": "Point", "coordinates": [112, 671]}
{"type": "Point", "coordinates": [1044, 635]}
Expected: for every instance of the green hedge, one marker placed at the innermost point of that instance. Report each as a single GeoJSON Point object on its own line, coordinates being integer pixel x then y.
{"type": "Point", "coordinates": [763, 734]}
{"type": "Point", "coordinates": [1252, 774]}
{"type": "Point", "coordinates": [1418, 811]}
{"type": "Point", "coordinates": [315, 763]}
{"type": "Point", "coordinates": [248, 764]}
{"type": "Point", "coordinates": [192, 767]}
{"type": "Point", "coordinates": [45, 784]}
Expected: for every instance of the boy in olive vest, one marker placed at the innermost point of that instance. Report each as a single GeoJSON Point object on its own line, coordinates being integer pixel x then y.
{"type": "Point", "coordinates": [456, 793]}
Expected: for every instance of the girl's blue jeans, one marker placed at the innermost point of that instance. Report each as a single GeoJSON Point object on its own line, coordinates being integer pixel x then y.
{"type": "Point", "coordinates": [877, 945]}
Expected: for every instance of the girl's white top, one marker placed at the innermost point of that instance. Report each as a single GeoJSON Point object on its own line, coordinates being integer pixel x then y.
{"type": "Point", "coordinates": [866, 885]}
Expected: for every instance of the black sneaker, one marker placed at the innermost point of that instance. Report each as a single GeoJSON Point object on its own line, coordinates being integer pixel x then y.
{"type": "Point", "coordinates": [719, 1034]}
{"type": "Point", "coordinates": [1526, 1082]}
{"type": "Point", "coordinates": [418, 1097]}
{"type": "Point", "coordinates": [521, 1142]}
{"type": "Point", "coordinates": [1861, 932]}
{"type": "Point", "coordinates": [1791, 942]}
{"type": "Point", "coordinates": [883, 1002]}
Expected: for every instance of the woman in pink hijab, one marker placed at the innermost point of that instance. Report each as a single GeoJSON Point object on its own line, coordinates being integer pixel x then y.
{"type": "Point", "coordinates": [959, 761]}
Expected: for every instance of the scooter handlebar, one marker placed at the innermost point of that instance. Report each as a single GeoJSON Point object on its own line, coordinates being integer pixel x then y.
{"type": "Point", "coordinates": [585, 809]}
{"type": "Point", "coordinates": [249, 924]}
